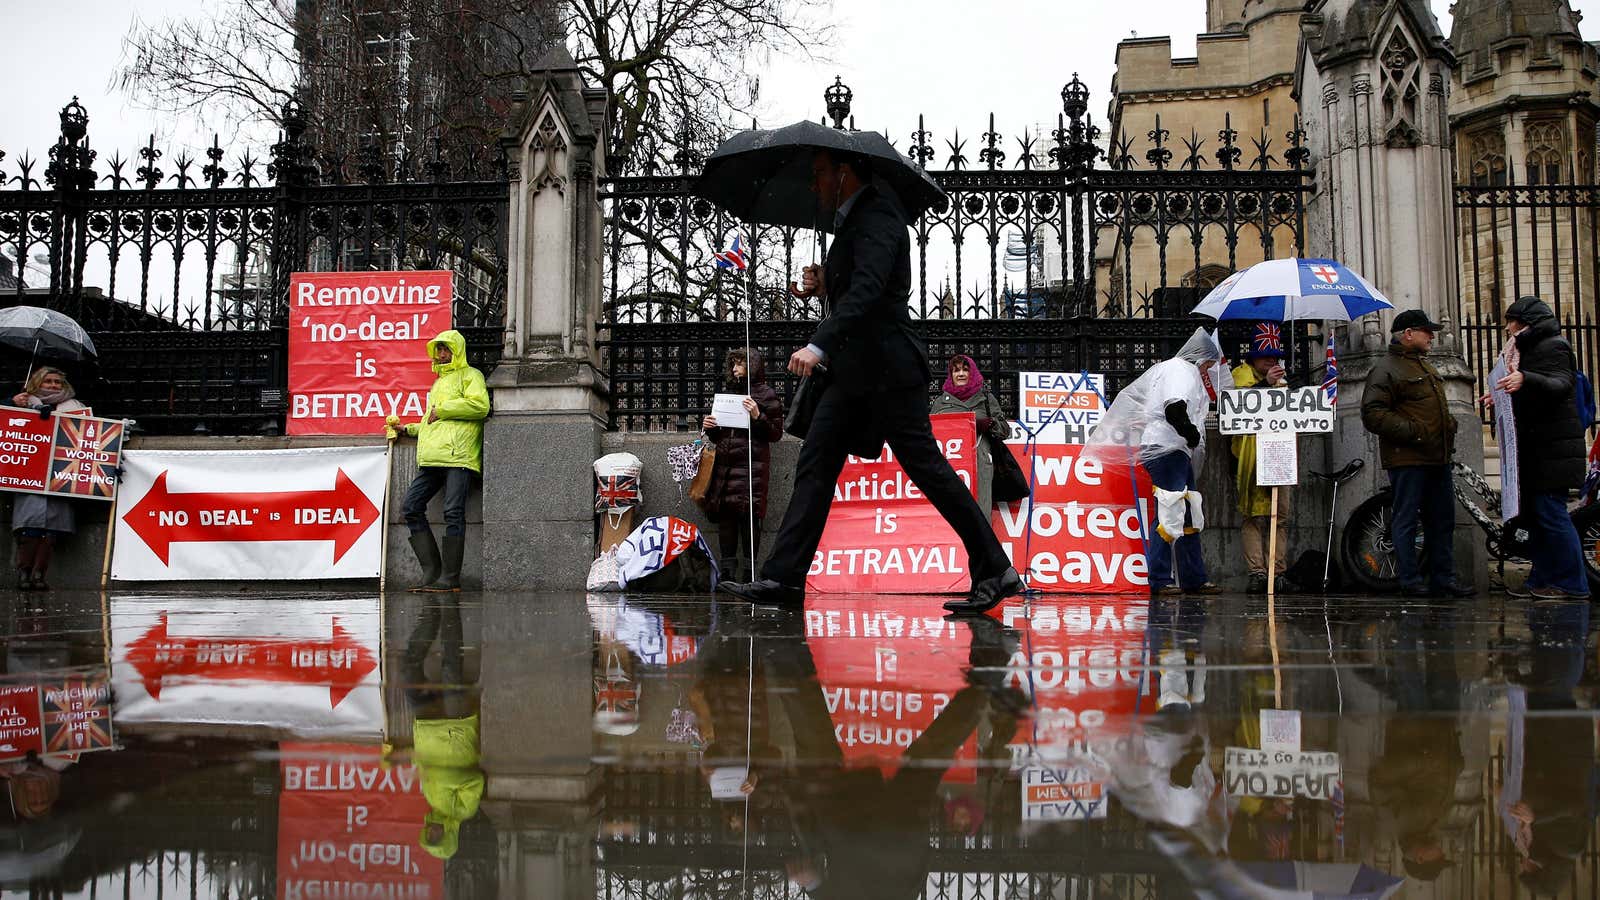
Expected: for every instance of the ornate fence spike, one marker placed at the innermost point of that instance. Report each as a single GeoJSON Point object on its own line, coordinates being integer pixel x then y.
{"type": "Point", "coordinates": [213, 171]}
{"type": "Point", "coordinates": [1195, 159]}
{"type": "Point", "coordinates": [1228, 154]}
{"type": "Point", "coordinates": [149, 173]}
{"type": "Point", "coordinates": [182, 177]}
{"type": "Point", "coordinates": [991, 155]}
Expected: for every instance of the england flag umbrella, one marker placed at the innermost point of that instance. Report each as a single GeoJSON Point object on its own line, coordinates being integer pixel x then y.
{"type": "Point", "coordinates": [1282, 290]}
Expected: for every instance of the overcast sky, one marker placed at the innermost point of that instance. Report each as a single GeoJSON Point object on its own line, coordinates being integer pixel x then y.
{"type": "Point", "coordinates": [952, 61]}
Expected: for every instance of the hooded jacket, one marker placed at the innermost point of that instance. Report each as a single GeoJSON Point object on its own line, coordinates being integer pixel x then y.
{"type": "Point", "coordinates": [1550, 448]}
{"type": "Point", "coordinates": [1405, 406]}
{"type": "Point", "coordinates": [736, 470]}
{"type": "Point", "coordinates": [446, 753]}
{"type": "Point", "coordinates": [461, 398]}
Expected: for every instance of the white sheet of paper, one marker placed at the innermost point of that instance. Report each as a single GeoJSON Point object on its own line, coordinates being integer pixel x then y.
{"type": "Point", "coordinates": [1280, 730]}
{"type": "Point", "coordinates": [728, 410]}
{"type": "Point", "coordinates": [1277, 459]}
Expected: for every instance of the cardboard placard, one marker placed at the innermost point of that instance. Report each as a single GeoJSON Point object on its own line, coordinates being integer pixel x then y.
{"type": "Point", "coordinates": [1262, 410]}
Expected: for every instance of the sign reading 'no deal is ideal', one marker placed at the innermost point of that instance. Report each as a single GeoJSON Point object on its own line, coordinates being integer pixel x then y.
{"type": "Point", "coordinates": [250, 515]}
{"type": "Point", "coordinates": [358, 347]}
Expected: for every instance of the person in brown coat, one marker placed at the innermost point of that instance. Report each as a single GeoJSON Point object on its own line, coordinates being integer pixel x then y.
{"type": "Point", "coordinates": [1405, 406]}
{"type": "Point", "coordinates": [743, 461]}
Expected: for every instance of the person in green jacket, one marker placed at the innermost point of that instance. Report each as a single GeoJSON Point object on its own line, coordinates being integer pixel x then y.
{"type": "Point", "coordinates": [449, 454]}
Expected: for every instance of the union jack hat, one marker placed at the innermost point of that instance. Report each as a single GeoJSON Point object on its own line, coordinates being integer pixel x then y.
{"type": "Point", "coordinates": [1266, 340]}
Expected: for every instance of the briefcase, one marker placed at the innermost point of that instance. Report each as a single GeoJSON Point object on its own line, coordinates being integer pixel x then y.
{"type": "Point", "coordinates": [804, 406]}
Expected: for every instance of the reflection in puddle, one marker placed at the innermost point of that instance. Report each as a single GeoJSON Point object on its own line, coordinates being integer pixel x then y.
{"type": "Point", "coordinates": [626, 746]}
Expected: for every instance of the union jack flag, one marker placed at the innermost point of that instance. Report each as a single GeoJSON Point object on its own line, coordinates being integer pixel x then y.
{"type": "Point", "coordinates": [1267, 337]}
{"type": "Point", "coordinates": [616, 493]}
{"type": "Point", "coordinates": [733, 257]}
{"type": "Point", "coordinates": [1330, 380]}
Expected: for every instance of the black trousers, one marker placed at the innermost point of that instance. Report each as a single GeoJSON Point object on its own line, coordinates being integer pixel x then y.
{"type": "Point", "coordinates": [901, 417]}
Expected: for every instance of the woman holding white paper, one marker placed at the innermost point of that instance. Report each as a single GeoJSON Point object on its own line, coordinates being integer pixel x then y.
{"type": "Point", "coordinates": [738, 487]}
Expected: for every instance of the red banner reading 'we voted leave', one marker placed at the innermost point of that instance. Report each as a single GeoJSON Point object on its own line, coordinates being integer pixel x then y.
{"type": "Point", "coordinates": [358, 347]}
{"type": "Point", "coordinates": [1081, 534]}
{"type": "Point", "coordinates": [883, 536]}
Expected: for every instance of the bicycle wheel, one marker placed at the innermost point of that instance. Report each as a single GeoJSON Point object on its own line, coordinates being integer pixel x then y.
{"type": "Point", "coordinates": [1587, 520]}
{"type": "Point", "coordinates": [1368, 546]}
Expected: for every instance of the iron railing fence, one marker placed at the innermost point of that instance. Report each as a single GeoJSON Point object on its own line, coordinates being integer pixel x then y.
{"type": "Point", "coordinates": [179, 267]}
{"type": "Point", "coordinates": [1056, 223]}
{"type": "Point", "coordinates": [1482, 341]}
{"type": "Point", "coordinates": [663, 375]}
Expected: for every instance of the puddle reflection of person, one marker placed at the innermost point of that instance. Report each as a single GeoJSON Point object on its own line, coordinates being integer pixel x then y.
{"type": "Point", "coordinates": [1415, 778]}
{"type": "Point", "coordinates": [859, 833]}
{"type": "Point", "coordinates": [729, 699]}
{"type": "Point", "coordinates": [1547, 797]}
{"type": "Point", "coordinates": [445, 729]}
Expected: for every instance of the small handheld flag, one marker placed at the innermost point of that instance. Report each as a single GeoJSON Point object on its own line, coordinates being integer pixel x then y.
{"type": "Point", "coordinates": [1330, 380]}
{"type": "Point", "coordinates": [734, 256]}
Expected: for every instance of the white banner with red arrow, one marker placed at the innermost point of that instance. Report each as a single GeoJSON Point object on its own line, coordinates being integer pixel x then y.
{"type": "Point", "coordinates": [226, 515]}
{"type": "Point", "coordinates": [298, 666]}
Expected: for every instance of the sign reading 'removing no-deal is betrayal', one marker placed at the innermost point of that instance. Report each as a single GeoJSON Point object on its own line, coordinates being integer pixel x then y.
{"type": "Point", "coordinates": [231, 515]}
{"type": "Point", "coordinates": [358, 347]}
{"type": "Point", "coordinates": [1266, 410]}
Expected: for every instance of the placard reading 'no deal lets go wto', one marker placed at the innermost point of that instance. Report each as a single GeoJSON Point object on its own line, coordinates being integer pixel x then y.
{"type": "Point", "coordinates": [358, 347]}
{"type": "Point", "coordinates": [1261, 410]}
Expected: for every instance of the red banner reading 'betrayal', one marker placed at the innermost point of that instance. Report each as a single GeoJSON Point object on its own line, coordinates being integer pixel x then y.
{"type": "Point", "coordinates": [883, 535]}
{"type": "Point", "coordinates": [358, 347]}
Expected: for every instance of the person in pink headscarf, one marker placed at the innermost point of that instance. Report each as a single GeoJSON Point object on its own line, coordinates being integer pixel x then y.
{"type": "Point", "coordinates": [964, 391]}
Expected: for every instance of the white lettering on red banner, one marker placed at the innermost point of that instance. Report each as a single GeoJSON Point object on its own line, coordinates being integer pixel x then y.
{"type": "Point", "coordinates": [348, 825]}
{"type": "Point", "coordinates": [1082, 532]}
{"type": "Point", "coordinates": [261, 514]}
{"type": "Point", "coordinates": [358, 347]}
{"type": "Point", "coordinates": [883, 536]}
{"type": "Point", "coordinates": [70, 454]}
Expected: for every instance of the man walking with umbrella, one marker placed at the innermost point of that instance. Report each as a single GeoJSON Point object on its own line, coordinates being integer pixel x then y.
{"type": "Point", "coordinates": [878, 375]}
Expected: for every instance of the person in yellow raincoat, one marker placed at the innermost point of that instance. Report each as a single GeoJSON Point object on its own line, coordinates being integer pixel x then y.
{"type": "Point", "coordinates": [449, 454]}
{"type": "Point", "coordinates": [1262, 367]}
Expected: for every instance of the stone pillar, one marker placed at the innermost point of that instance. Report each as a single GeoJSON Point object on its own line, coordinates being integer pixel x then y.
{"type": "Point", "coordinates": [1371, 86]}
{"type": "Point", "coordinates": [550, 398]}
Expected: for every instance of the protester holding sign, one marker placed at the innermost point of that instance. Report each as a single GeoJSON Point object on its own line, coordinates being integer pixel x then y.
{"type": "Point", "coordinates": [1405, 406]}
{"type": "Point", "coordinates": [38, 520]}
{"type": "Point", "coordinates": [964, 391]}
{"type": "Point", "coordinates": [449, 454]}
{"type": "Point", "coordinates": [743, 461]}
{"type": "Point", "coordinates": [1550, 453]}
{"type": "Point", "coordinates": [1263, 367]}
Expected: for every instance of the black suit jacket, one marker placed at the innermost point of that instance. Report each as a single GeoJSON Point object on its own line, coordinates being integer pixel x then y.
{"type": "Point", "coordinates": [868, 336]}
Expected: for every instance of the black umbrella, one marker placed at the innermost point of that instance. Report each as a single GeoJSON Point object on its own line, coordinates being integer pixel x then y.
{"type": "Point", "coordinates": [764, 175]}
{"type": "Point", "coordinates": [44, 332]}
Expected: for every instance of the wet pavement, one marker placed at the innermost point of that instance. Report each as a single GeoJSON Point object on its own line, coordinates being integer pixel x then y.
{"type": "Point", "coordinates": [565, 746]}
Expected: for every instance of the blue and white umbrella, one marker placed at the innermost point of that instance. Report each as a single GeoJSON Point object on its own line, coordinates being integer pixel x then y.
{"type": "Point", "coordinates": [1282, 290]}
{"type": "Point", "coordinates": [1323, 881]}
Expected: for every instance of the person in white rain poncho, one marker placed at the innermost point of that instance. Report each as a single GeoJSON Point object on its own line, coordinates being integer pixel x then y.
{"type": "Point", "coordinates": [1160, 419]}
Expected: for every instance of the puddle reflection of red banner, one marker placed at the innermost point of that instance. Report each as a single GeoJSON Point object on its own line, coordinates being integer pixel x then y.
{"type": "Point", "coordinates": [888, 670]}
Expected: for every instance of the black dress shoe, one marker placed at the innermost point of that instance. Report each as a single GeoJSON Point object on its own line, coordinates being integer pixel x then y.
{"type": "Point", "coordinates": [1453, 590]}
{"type": "Point", "coordinates": [987, 594]}
{"type": "Point", "coordinates": [765, 592]}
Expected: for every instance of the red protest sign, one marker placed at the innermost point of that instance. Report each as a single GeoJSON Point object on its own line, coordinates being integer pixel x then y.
{"type": "Point", "coordinates": [358, 347]}
{"type": "Point", "coordinates": [72, 454]}
{"type": "Point", "coordinates": [1081, 535]}
{"type": "Point", "coordinates": [21, 730]}
{"type": "Point", "coordinates": [348, 825]}
{"type": "Point", "coordinates": [883, 536]}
